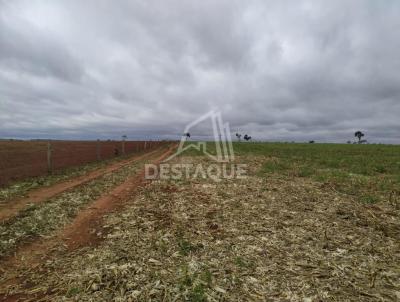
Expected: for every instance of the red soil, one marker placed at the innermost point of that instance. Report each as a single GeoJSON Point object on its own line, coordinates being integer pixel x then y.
{"type": "Point", "coordinates": [81, 232]}
{"type": "Point", "coordinates": [12, 207]}
{"type": "Point", "coordinates": [22, 159]}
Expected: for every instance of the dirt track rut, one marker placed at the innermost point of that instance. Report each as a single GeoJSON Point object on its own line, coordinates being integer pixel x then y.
{"type": "Point", "coordinates": [81, 232]}
{"type": "Point", "coordinates": [12, 207]}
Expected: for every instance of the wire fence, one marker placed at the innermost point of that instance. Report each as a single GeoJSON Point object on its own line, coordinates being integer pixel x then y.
{"type": "Point", "coordinates": [22, 159]}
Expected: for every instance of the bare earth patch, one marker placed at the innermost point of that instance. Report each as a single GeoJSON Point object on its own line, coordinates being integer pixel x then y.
{"type": "Point", "coordinates": [11, 208]}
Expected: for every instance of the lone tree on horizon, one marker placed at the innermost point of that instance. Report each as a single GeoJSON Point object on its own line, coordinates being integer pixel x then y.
{"type": "Point", "coordinates": [238, 136]}
{"type": "Point", "coordinates": [247, 137]}
{"type": "Point", "coordinates": [359, 135]}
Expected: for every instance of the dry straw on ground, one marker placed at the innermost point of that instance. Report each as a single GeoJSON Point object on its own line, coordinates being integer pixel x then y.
{"type": "Point", "coordinates": [44, 218]}
{"type": "Point", "coordinates": [261, 238]}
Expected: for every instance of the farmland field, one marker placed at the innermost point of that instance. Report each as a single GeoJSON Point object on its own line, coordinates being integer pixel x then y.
{"type": "Point", "coordinates": [22, 159]}
{"type": "Point", "coordinates": [309, 222]}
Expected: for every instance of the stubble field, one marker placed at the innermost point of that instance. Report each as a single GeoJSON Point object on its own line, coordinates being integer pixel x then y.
{"type": "Point", "coordinates": [310, 222]}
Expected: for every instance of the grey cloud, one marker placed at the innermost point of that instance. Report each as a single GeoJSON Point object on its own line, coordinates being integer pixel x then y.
{"type": "Point", "coordinates": [276, 69]}
{"type": "Point", "coordinates": [25, 49]}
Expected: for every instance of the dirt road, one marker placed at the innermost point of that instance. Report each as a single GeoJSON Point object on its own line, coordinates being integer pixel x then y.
{"type": "Point", "coordinates": [12, 207]}
{"type": "Point", "coordinates": [84, 230]}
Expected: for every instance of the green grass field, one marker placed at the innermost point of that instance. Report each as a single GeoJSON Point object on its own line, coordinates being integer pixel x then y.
{"type": "Point", "coordinates": [369, 173]}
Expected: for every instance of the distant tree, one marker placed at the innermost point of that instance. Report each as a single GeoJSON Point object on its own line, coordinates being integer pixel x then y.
{"type": "Point", "coordinates": [311, 142]}
{"type": "Point", "coordinates": [349, 142]}
{"type": "Point", "coordinates": [246, 137]}
{"type": "Point", "coordinates": [359, 135]}
{"type": "Point", "coordinates": [238, 136]}
{"type": "Point", "coordinates": [187, 135]}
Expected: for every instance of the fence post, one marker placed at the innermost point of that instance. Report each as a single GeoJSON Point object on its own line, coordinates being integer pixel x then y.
{"type": "Point", "coordinates": [98, 155]}
{"type": "Point", "coordinates": [123, 145]}
{"type": "Point", "coordinates": [49, 158]}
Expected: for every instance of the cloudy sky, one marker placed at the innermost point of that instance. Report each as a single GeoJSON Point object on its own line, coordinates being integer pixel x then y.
{"type": "Point", "coordinates": [277, 70]}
